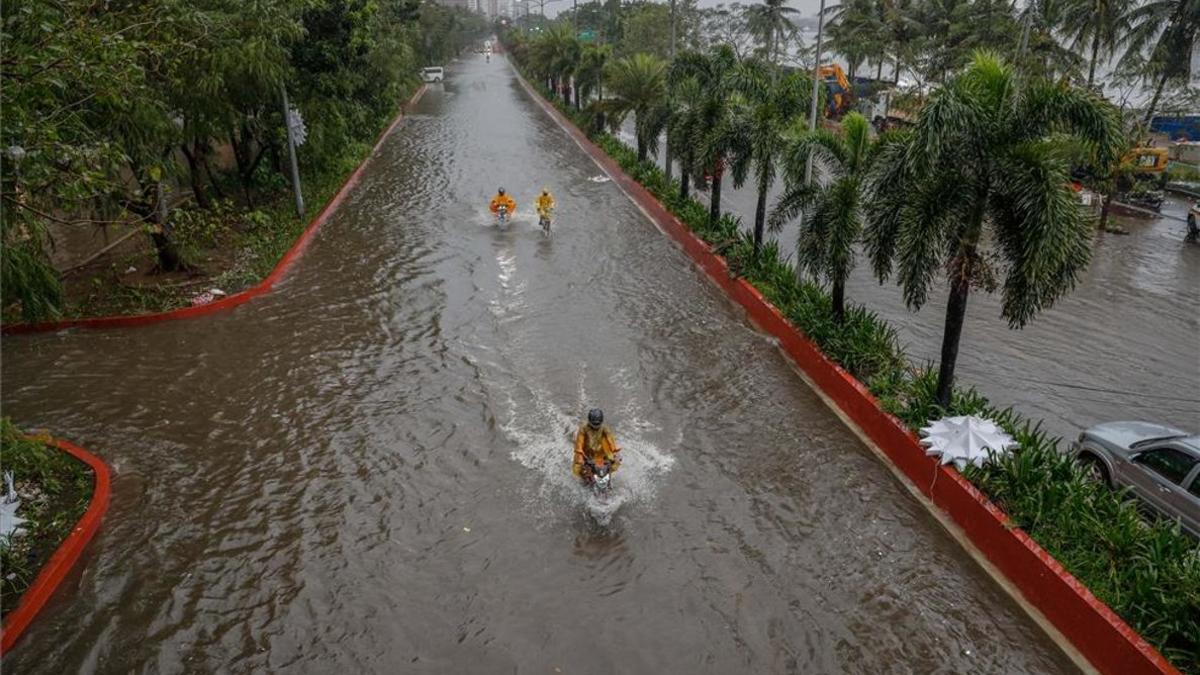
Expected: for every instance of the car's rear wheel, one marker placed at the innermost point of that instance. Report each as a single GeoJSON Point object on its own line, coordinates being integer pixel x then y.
{"type": "Point", "coordinates": [1095, 469]}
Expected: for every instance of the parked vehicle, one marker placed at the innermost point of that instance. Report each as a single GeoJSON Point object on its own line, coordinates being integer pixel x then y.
{"type": "Point", "coordinates": [433, 74]}
{"type": "Point", "coordinates": [1160, 465]}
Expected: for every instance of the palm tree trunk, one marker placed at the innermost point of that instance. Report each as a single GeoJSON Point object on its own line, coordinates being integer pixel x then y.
{"type": "Point", "coordinates": [1105, 203]}
{"type": "Point", "coordinates": [641, 147]}
{"type": "Point", "coordinates": [956, 313]}
{"type": "Point", "coordinates": [684, 175]}
{"type": "Point", "coordinates": [760, 219]}
{"type": "Point", "coordinates": [1162, 82]}
{"type": "Point", "coordinates": [879, 69]}
{"type": "Point", "coordinates": [714, 209]}
{"type": "Point", "coordinates": [667, 157]}
{"type": "Point", "coordinates": [1095, 53]}
{"type": "Point", "coordinates": [839, 300]}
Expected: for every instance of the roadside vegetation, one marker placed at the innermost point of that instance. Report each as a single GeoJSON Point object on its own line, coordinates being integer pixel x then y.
{"type": "Point", "coordinates": [148, 139]}
{"type": "Point", "coordinates": [54, 489]}
{"type": "Point", "coordinates": [899, 197]}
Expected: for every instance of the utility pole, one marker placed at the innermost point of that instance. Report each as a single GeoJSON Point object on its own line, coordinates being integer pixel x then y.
{"type": "Point", "coordinates": [667, 152]}
{"type": "Point", "coordinates": [812, 111]}
{"type": "Point", "coordinates": [291, 136]}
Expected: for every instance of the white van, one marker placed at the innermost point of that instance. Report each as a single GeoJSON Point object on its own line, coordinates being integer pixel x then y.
{"type": "Point", "coordinates": [433, 74]}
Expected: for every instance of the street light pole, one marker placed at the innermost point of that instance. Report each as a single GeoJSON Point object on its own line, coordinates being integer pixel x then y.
{"type": "Point", "coordinates": [812, 110]}
{"type": "Point", "coordinates": [291, 137]}
{"type": "Point", "coordinates": [667, 151]}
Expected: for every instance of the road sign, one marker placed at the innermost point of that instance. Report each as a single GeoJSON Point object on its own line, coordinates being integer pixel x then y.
{"type": "Point", "coordinates": [587, 35]}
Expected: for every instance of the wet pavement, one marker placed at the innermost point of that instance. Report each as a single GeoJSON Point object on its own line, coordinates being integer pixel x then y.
{"type": "Point", "coordinates": [368, 468]}
{"type": "Point", "coordinates": [1125, 344]}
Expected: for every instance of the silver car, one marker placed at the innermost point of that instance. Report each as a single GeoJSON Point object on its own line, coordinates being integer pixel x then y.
{"type": "Point", "coordinates": [1159, 464]}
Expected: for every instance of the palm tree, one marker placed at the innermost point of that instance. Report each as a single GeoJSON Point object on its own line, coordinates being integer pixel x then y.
{"type": "Point", "coordinates": [856, 31]}
{"type": "Point", "coordinates": [769, 21]}
{"type": "Point", "coordinates": [589, 74]}
{"type": "Point", "coordinates": [833, 202]}
{"type": "Point", "coordinates": [1160, 43]}
{"type": "Point", "coordinates": [638, 84]}
{"type": "Point", "coordinates": [986, 161]}
{"type": "Point", "coordinates": [766, 106]}
{"type": "Point", "coordinates": [687, 105]}
{"type": "Point", "coordinates": [708, 141]}
{"type": "Point", "coordinates": [1102, 24]}
{"type": "Point", "coordinates": [564, 53]}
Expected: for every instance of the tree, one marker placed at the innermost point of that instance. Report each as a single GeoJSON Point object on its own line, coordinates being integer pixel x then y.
{"type": "Point", "coordinates": [985, 162]}
{"type": "Point", "coordinates": [833, 203]}
{"type": "Point", "coordinates": [725, 25]}
{"type": "Point", "coordinates": [637, 84]}
{"type": "Point", "coordinates": [1098, 26]}
{"type": "Point", "coordinates": [1160, 44]}
{"type": "Point", "coordinates": [589, 74]}
{"type": "Point", "coordinates": [684, 126]}
{"type": "Point", "coordinates": [709, 137]}
{"type": "Point", "coordinates": [766, 106]}
{"type": "Point", "coordinates": [770, 23]}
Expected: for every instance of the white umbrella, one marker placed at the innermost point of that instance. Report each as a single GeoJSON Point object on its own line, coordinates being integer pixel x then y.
{"type": "Point", "coordinates": [965, 440]}
{"type": "Point", "coordinates": [10, 524]}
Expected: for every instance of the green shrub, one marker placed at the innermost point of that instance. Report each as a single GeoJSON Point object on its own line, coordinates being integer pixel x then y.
{"type": "Point", "coordinates": [56, 489]}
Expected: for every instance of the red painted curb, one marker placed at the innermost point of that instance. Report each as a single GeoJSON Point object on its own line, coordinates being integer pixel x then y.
{"type": "Point", "coordinates": [1090, 625]}
{"type": "Point", "coordinates": [281, 268]}
{"type": "Point", "coordinates": [65, 557]}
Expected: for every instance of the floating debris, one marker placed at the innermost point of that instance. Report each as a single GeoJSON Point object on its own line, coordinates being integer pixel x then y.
{"type": "Point", "coordinates": [207, 296]}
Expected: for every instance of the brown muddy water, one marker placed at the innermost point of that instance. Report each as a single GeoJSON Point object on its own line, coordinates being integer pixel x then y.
{"type": "Point", "coordinates": [368, 469]}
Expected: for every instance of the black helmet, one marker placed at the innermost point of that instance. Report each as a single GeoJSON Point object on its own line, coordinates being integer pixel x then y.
{"type": "Point", "coordinates": [501, 190]}
{"type": "Point", "coordinates": [595, 417]}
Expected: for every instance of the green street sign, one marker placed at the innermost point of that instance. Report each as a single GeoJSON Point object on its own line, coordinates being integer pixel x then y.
{"type": "Point", "coordinates": [587, 35]}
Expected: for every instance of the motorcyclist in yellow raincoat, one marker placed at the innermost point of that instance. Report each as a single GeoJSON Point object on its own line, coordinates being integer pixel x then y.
{"type": "Point", "coordinates": [594, 446]}
{"type": "Point", "coordinates": [544, 204]}
{"type": "Point", "coordinates": [502, 199]}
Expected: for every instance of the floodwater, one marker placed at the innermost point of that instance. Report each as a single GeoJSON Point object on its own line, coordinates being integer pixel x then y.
{"type": "Point", "coordinates": [368, 469]}
{"type": "Point", "coordinates": [1125, 344]}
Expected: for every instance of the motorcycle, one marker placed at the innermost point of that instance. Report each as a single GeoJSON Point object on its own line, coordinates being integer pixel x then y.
{"type": "Point", "coordinates": [502, 214]}
{"type": "Point", "coordinates": [599, 480]}
{"type": "Point", "coordinates": [544, 216]}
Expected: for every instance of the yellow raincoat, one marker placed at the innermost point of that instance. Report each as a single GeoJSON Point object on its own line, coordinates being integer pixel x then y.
{"type": "Point", "coordinates": [505, 200]}
{"type": "Point", "coordinates": [597, 446]}
{"type": "Point", "coordinates": [544, 204]}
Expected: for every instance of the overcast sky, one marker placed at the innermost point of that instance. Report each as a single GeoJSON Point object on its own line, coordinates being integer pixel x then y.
{"type": "Point", "coordinates": [806, 7]}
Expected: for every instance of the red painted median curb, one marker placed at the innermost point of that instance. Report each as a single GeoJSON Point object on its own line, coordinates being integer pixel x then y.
{"type": "Point", "coordinates": [1092, 627]}
{"type": "Point", "coordinates": [281, 268]}
{"type": "Point", "coordinates": [65, 557]}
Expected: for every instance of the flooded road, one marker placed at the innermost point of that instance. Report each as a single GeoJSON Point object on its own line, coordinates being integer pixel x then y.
{"type": "Point", "coordinates": [368, 469]}
{"type": "Point", "coordinates": [1125, 344]}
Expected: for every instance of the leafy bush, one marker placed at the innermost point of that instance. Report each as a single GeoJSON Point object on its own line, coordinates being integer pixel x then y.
{"type": "Point", "coordinates": [55, 489]}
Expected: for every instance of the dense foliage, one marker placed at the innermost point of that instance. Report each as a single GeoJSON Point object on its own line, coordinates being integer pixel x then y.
{"type": "Point", "coordinates": [114, 114]}
{"type": "Point", "coordinates": [55, 489]}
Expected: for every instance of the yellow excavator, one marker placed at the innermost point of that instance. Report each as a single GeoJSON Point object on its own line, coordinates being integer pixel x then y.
{"type": "Point", "coordinates": [837, 86]}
